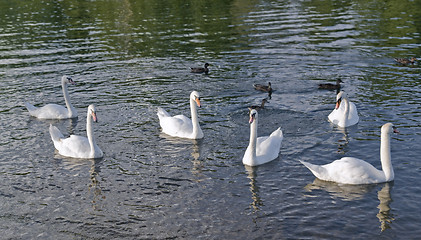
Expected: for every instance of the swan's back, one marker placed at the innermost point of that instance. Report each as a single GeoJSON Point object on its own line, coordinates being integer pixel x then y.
{"type": "Point", "coordinates": [177, 126]}
{"type": "Point", "coordinates": [267, 147]}
{"type": "Point", "coordinates": [49, 111]}
{"type": "Point", "coordinates": [347, 170]}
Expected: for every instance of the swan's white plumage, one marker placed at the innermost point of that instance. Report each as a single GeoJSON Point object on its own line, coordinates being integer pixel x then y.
{"type": "Point", "coordinates": [261, 149]}
{"type": "Point", "coordinates": [180, 125]}
{"type": "Point", "coordinates": [54, 111]}
{"type": "Point", "coordinates": [345, 113]}
{"type": "Point", "coordinates": [349, 170]}
{"type": "Point", "coordinates": [77, 146]}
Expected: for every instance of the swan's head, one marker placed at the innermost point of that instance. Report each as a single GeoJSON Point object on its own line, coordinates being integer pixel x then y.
{"type": "Point", "coordinates": [67, 80]}
{"type": "Point", "coordinates": [195, 97]}
{"type": "Point", "coordinates": [389, 128]}
{"type": "Point", "coordinates": [341, 95]}
{"type": "Point", "coordinates": [253, 116]}
{"type": "Point", "coordinates": [92, 112]}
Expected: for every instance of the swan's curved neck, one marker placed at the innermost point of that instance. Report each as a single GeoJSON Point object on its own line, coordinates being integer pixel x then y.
{"type": "Point", "coordinates": [253, 140]}
{"type": "Point", "coordinates": [89, 132]}
{"type": "Point", "coordinates": [69, 106]}
{"type": "Point", "coordinates": [346, 112]}
{"type": "Point", "coordinates": [194, 117]}
{"type": "Point", "coordinates": [385, 156]}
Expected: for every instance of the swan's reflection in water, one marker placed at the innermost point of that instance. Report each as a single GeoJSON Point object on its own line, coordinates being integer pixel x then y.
{"type": "Point", "coordinates": [354, 192]}
{"type": "Point", "coordinates": [254, 189]}
{"type": "Point", "coordinates": [385, 216]}
{"type": "Point", "coordinates": [197, 164]}
{"type": "Point", "coordinates": [94, 186]}
{"type": "Point", "coordinates": [343, 143]}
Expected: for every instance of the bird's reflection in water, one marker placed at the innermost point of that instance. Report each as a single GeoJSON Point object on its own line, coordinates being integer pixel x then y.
{"type": "Point", "coordinates": [343, 143]}
{"type": "Point", "coordinates": [81, 165]}
{"type": "Point", "coordinates": [254, 189]}
{"type": "Point", "coordinates": [95, 186]}
{"type": "Point", "coordinates": [355, 192]}
{"type": "Point", "coordinates": [197, 164]}
{"type": "Point", "coordinates": [346, 192]}
{"type": "Point", "coordinates": [385, 216]}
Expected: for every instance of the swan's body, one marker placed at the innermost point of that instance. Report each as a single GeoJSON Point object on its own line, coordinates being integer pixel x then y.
{"type": "Point", "coordinates": [331, 86]}
{"type": "Point", "coordinates": [180, 125]}
{"type": "Point", "coordinates": [262, 105]}
{"type": "Point", "coordinates": [345, 113]}
{"type": "Point", "coordinates": [78, 146]}
{"type": "Point", "coordinates": [54, 111]}
{"type": "Point", "coordinates": [349, 170]}
{"type": "Point", "coordinates": [204, 69]}
{"type": "Point", "coordinates": [261, 149]}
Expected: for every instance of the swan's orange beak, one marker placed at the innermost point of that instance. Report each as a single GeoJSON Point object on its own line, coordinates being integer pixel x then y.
{"type": "Point", "coordinates": [395, 130]}
{"type": "Point", "coordinates": [71, 81]}
{"type": "Point", "coordinates": [338, 103]}
{"type": "Point", "coordinates": [251, 118]}
{"type": "Point", "coordinates": [198, 102]}
{"type": "Point", "coordinates": [94, 117]}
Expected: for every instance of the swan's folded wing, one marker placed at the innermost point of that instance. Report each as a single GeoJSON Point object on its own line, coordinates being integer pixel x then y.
{"type": "Point", "coordinates": [50, 111]}
{"type": "Point", "coordinates": [270, 145]}
{"type": "Point", "coordinates": [74, 146]}
{"type": "Point", "coordinates": [179, 125]}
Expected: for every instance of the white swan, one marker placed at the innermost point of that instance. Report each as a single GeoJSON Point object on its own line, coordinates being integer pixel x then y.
{"type": "Point", "coordinates": [78, 146]}
{"type": "Point", "coordinates": [345, 113]}
{"type": "Point", "coordinates": [54, 111]}
{"type": "Point", "coordinates": [261, 149]}
{"type": "Point", "coordinates": [348, 170]}
{"type": "Point", "coordinates": [180, 125]}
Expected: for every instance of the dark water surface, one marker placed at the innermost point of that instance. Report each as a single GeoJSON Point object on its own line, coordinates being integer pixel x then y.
{"type": "Point", "coordinates": [129, 57]}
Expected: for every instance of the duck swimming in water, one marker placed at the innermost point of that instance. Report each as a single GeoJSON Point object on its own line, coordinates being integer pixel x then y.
{"type": "Point", "coordinates": [406, 61]}
{"type": "Point", "coordinates": [331, 86]}
{"type": "Point", "coordinates": [200, 69]}
{"type": "Point", "coordinates": [257, 107]}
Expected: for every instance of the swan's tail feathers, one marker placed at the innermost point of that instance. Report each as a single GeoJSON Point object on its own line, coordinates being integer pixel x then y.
{"type": "Point", "coordinates": [278, 132]}
{"type": "Point", "coordinates": [30, 107]}
{"type": "Point", "coordinates": [55, 133]}
{"type": "Point", "coordinates": [162, 113]}
{"type": "Point", "coordinates": [317, 170]}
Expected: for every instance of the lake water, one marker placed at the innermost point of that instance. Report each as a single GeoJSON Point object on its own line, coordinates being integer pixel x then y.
{"type": "Point", "coordinates": [130, 57]}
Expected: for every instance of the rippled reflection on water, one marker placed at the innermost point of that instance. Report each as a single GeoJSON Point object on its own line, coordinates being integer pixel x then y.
{"type": "Point", "coordinates": [129, 57]}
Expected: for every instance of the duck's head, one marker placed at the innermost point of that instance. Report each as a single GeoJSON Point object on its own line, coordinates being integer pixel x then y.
{"type": "Point", "coordinates": [338, 81]}
{"type": "Point", "coordinates": [92, 112]}
{"type": "Point", "coordinates": [66, 79]}
{"type": "Point", "coordinates": [195, 97]}
{"type": "Point", "coordinates": [413, 59]}
{"type": "Point", "coordinates": [253, 116]}
{"type": "Point", "coordinates": [206, 65]}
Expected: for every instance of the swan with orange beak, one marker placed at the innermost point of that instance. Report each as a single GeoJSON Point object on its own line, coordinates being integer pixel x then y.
{"type": "Point", "coordinates": [345, 113]}
{"type": "Point", "coordinates": [180, 125]}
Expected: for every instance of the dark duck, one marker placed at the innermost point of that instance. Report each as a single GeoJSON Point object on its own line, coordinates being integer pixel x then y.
{"type": "Point", "coordinates": [262, 105]}
{"type": "Point", "coordinates": [200, 69]}
{"type": "Point", "coordinates": [331, 86]}
{"type": "Point", "coordinates": [406, 61]}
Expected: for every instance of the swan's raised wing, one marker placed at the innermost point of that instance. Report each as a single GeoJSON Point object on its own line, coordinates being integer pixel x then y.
{"type": "Point", "coordinates": [269, 146]}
